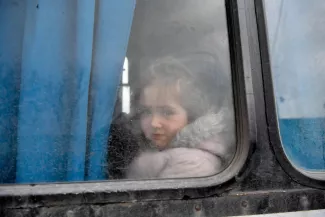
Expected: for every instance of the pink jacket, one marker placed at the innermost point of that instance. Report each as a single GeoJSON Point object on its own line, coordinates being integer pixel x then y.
{"type": "Point", "coordinates": [202, 148]}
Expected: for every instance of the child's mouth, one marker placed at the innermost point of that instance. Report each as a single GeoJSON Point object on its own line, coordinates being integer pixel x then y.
{"type": "Point", "coordinates": [157, 137]}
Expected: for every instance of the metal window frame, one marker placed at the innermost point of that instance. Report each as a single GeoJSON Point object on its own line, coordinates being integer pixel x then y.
{"type": "Point", "coordinates": [299, 175]}
{"type": "Point", "coordinates": [245, 128]}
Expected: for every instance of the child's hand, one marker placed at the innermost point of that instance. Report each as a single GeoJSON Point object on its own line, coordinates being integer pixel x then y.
{"type": "Point", "coordinates": [190, 162]}
{"type": "Point", "coordinates": [147, 165]}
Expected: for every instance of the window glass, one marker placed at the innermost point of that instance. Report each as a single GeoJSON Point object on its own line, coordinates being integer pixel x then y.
{"type": "Point", "coordinates": [297, 50]}
{"type": "Point", "coordinates": [181, 121]}
{"type": "Point", "coordinates": [101, 90]}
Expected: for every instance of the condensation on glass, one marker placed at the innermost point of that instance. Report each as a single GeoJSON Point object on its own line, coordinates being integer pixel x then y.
{"type": "Point", "coordinates": [146, 95]}
{"type": "Point", "coordinates": [297, 51]}
{"type": "Point", "coordinates": [175, 95]}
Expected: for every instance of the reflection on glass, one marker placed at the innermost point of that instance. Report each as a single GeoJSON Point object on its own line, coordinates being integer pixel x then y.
{"type": "Point", "coordinates": [297, 49]}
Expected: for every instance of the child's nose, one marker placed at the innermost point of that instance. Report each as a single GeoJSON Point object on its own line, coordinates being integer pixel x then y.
{"type": "Point", "coordinates": [155, 121]}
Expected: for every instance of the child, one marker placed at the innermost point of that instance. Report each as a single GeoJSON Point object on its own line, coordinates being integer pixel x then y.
{"type": "Point", "coordinates": [183, 126]}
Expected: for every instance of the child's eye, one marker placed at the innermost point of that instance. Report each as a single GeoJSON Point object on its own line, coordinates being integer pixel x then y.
{"type": "Point", "coordinates": [167, 112]}
{"type": "Point", "coordinates": [145, 112]}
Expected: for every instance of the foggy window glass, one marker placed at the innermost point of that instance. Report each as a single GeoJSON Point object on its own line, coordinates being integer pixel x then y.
{"type": "Point", "coordinates": [102, 90]}
{"type": "Point", "coordinates": [297, 50]}
{"type": "Point", "coordinates": [178, 80]}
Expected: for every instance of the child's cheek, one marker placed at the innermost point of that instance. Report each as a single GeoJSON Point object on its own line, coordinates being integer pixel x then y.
{"type": "Point", "coordinates": [146, 126]}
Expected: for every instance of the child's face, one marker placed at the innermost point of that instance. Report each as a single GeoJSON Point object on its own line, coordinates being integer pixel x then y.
{"type": "Point", "coordinates": [162, 115]}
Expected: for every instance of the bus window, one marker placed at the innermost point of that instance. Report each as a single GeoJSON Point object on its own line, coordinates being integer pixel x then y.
{"type": "Point", "coordinates": [297, 53]}
{"type": "Point", "coordinates": [181, 107]}
{"type": "Point", "coordinates": [115, 90]}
